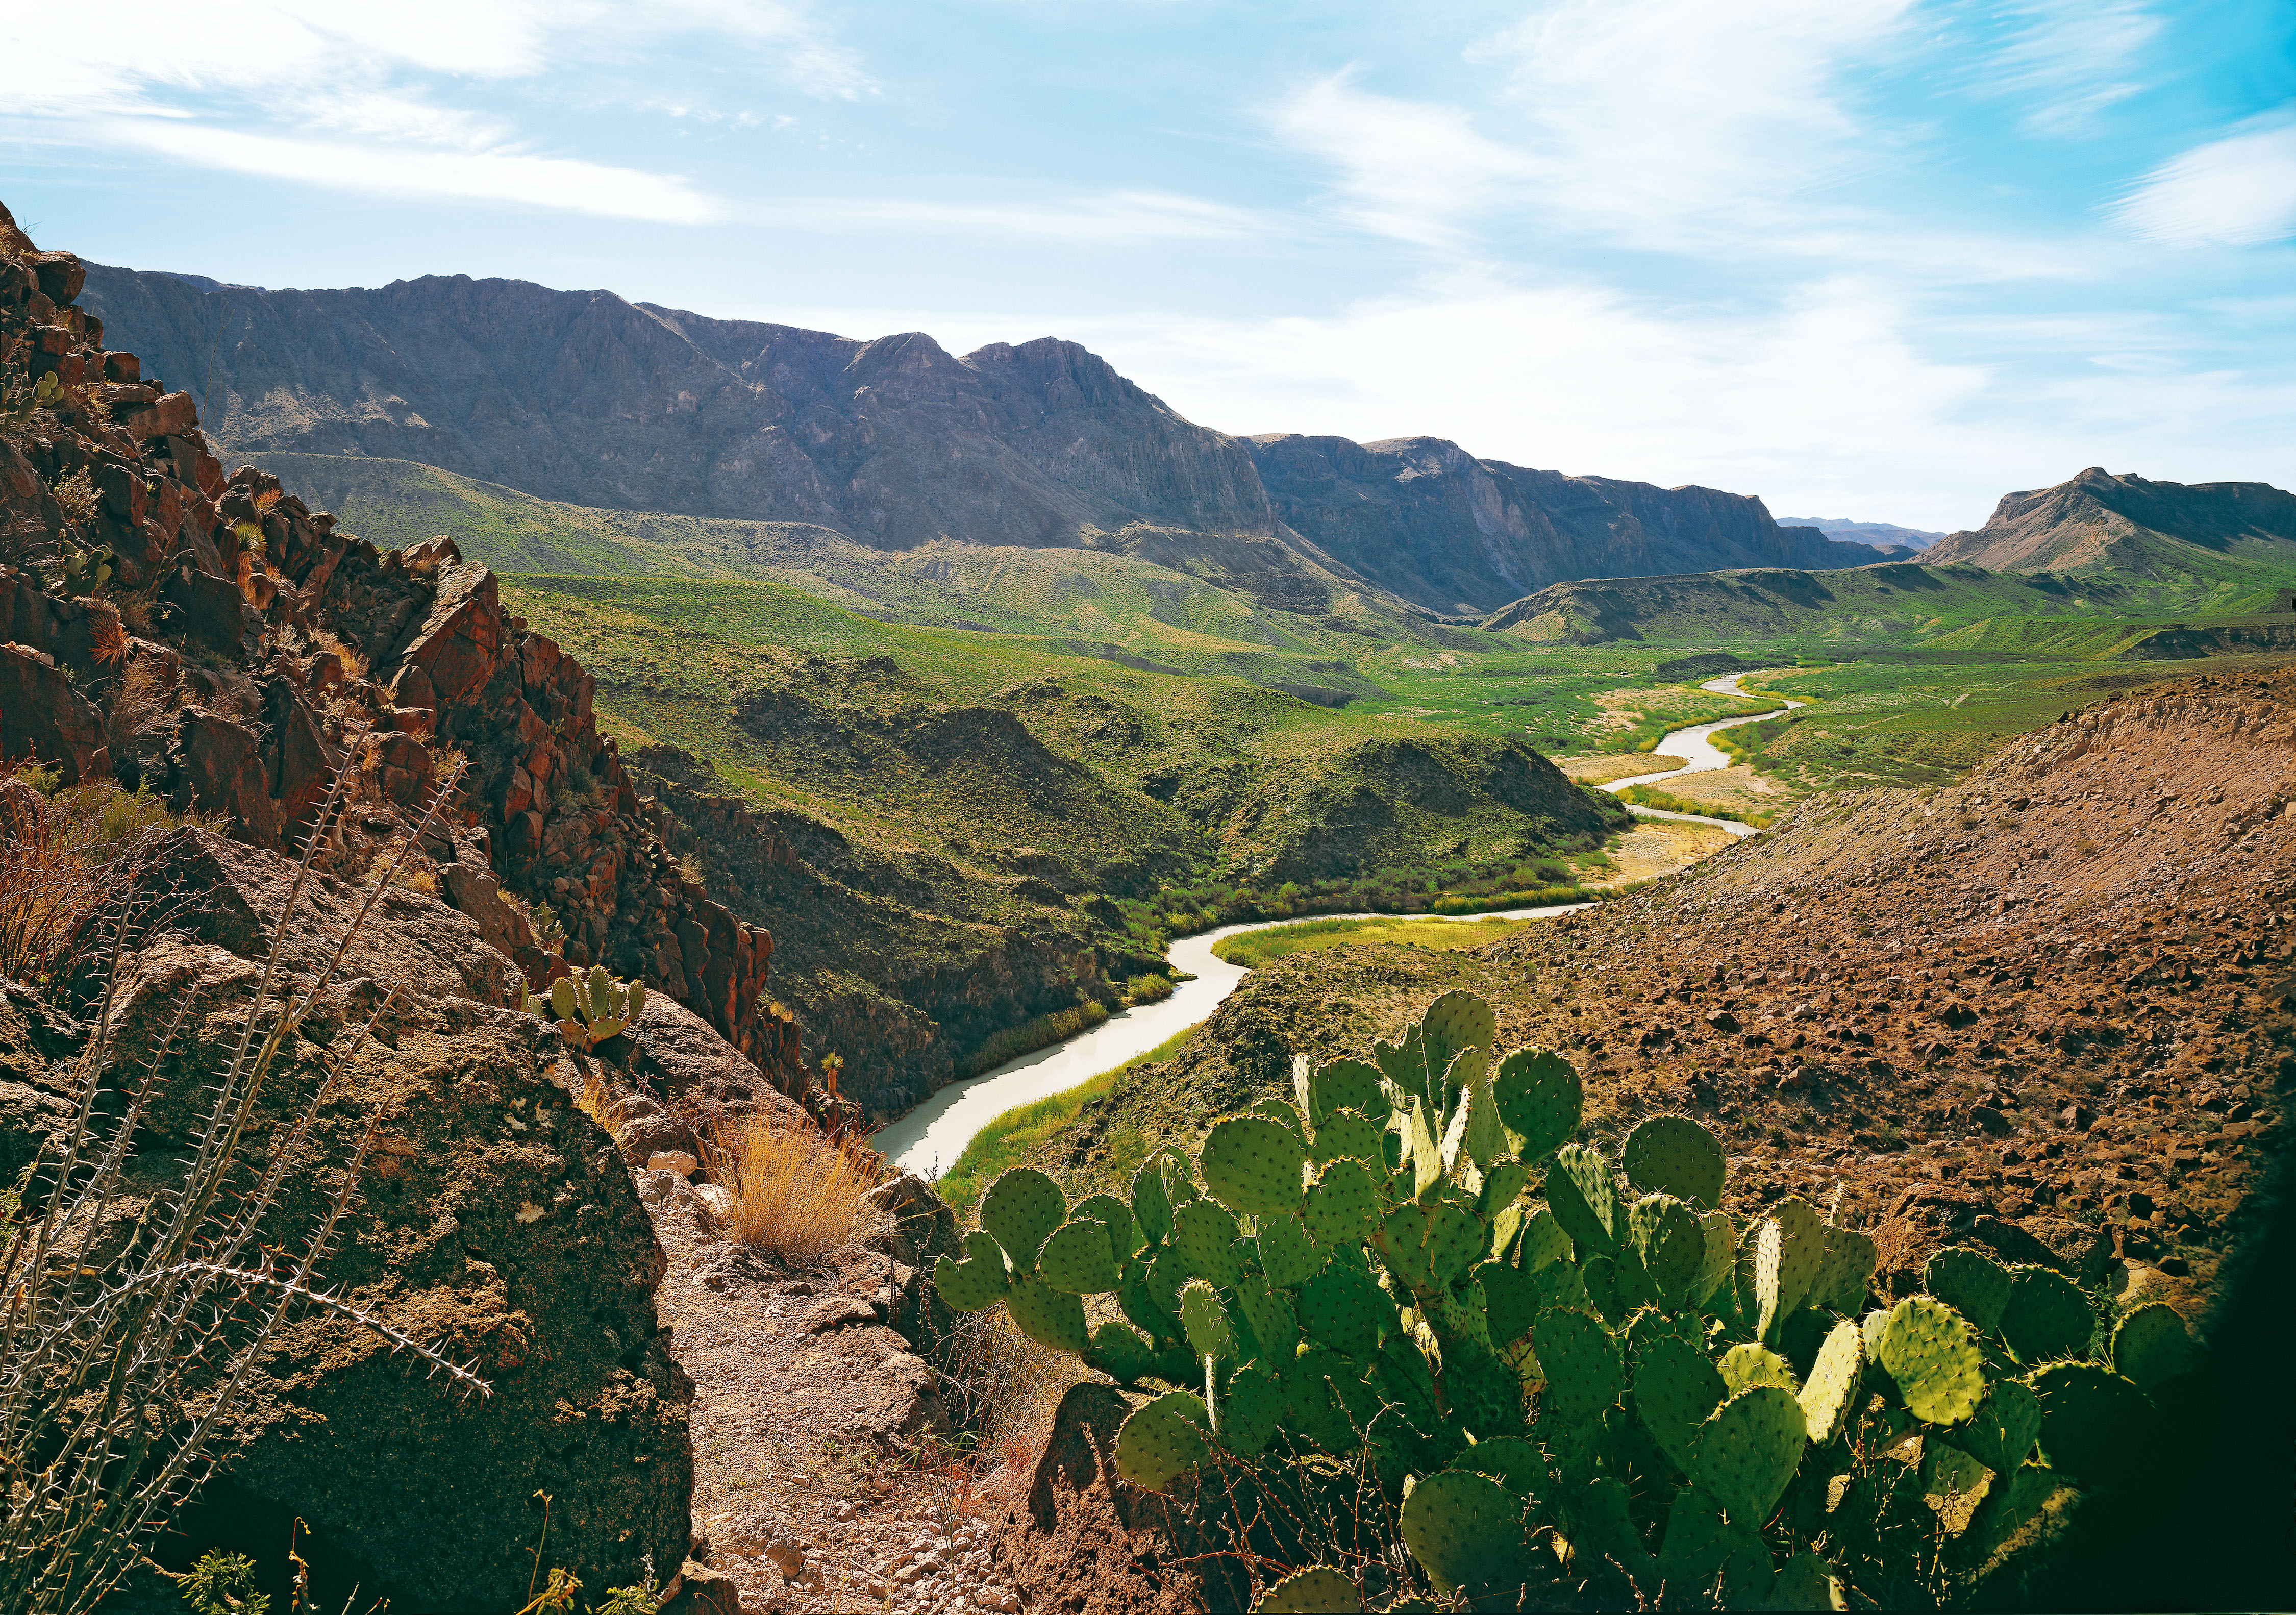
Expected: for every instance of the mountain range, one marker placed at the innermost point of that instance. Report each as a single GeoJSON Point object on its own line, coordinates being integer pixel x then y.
{"type": "Point", "coordinates": [591, 400]}
{"type": "Point", "coordinates": [1884, 535]}
{"type": "Point", "coordinates": [2125, 523]}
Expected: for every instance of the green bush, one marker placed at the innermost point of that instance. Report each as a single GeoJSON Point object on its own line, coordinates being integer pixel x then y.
{"type": "Point", "coordinates": [1014, 1041]}
{"type": "Point", "coordinates": [1650, 796]}
{"type": "Point", "coordinates": [1407, 1325]}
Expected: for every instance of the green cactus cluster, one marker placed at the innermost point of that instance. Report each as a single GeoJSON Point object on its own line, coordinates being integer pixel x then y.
{"type": "Point", "coordinates": [589, 1008]}
{"type": "Point", "coordinates": [85, 569]}
{"type": "Point", "coordinates": [1557, 1365]}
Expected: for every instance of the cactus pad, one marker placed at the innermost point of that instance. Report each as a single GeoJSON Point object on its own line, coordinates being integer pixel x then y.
{"type": "Point", "coordinates": [1165, 1275]}
{"type": "Point", "coordinates": [1747, 1365]}
{"type": "Point", "coordinates": [1204, 1235]}
{"type": "Point", "coordinates": [1510, 1301]}
{"type": "Point", "coordinates": [1504, 1182]}
{"type": "Point", "coordinates": [1121, 1352]}
{"type": "Point", "coordinates": [1142, 1306]}
{"type": "Point", "coordinates": [1346, 1085]}
{"type": "Point", "coordinates": [1789, 1255]}
{"type": "Point", "coordinates": [1251, 1409]}
{"type": "Point", "coordinates": [1465, 1530]}
{"type": "Point", "coordinates": [1972, 1283]}
{"type": "Point", "coordinates": [1115, 1216]}
{"type": "Point", "coordinates": [1151, 1208]}
{"type": "Point", "coordinates": [2012, 1503]}
{"type": "Point", "coordinates": [1721, 1253]}
{"type": "Point", "coordinates": [1675, 1391]}
{"type": "Point", "coordinates": [1539, 1098]}
{"type": "Point", "coordinates": [1806, 1582]}
{"type": "Point", "coordinates": [1283, 1115]}
{"type": "Point", "coordinates": [1580, 1359]}
{"type": "Point", "coordinates": [1513, 1461]}
{"type": "Point", "coordinates": [1078, 1259]}
{"type": "Point", "coordinates": [2001, 1433]}
{"type": "Point", "coordinates": [1483, 1139]}
{"type": "Point", "coordinates": [2047, 1315]}
{"type": "Point", "coordinates": [1344, 1309]}
{"type": "Point", "coordinates": [2094, 1422]}
{"type": "Point", "coordinates": [1543, 1241]}
{"type": "Point", "coordinates": [1670, 1241]}
{"type": "Point", "coordinates": [1455, 1023]}
{"type": "Point", "coordinates": [1021, 1209]}
{"type": "Point", "coordinates": [1745, 1455]}
{"type": "Point", "coordinates": [1584, 1200]}
{"type": "Point", "coordinates": [1848, 1269]}
{"type": "Point", "coordinates": [979, 1281]}
{"type": "Point", "coordinates": [1205, 1322]}
{"type": "Point", "coordinates": [1675, 1155]}
{"type": "Point", "coordinates": [1316, 1590]}
{"type": "Point", "coordinates": [1274, 1325]}
{"type": "Point", "coordinates": [1048, 1316]}
{"type": "Point", "coordinates": [1251, 1165]}
{"type": "Point", "coordinates": [1835, 1380]}
{"type": "Point", "coordinates": [1349, 1132]}
{"type": "Point", "coordinates": [1931, 1352]}
{"type": "Point", "coordinates": [1163, 1440]}
{"type": "Point", "coordinates": [1343, 1205]}
{"type": "Point", "coordinates": [2152, 1344]}
{"type": "Point", "coordinates": [1286, 1255]}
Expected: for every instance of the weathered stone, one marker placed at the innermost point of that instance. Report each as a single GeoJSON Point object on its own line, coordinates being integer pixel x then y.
{"type": "Point", "coordinates": [411, 942]}
{"type": "Point", "coordinates": [456, 647]}
{"type": "Point", "coordinates": [43, 717]}
{"type": "Point", "coordinates": [496, 1221]}
{"type": "Point", "coordinates": [219, 766]}
{"type": "Point", "coordinates": [473, 888]}
{"type": "Point", "coordinates": [676, 1048]}
{"type": "Point", "coordinates": [211, 612]}
{"type": "Point", "coordinates": [641, 1138]}
{"type": "Point", "coordinates": [672, 1160]}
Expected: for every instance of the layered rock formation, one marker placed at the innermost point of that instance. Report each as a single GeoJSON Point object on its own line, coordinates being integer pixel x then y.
{"type": "Point", "coordinates": [586, 398]}
{"type": "Point", "coordinates": [2098, 520]}
{"type": "Point", "coordinates": [1444, 528]}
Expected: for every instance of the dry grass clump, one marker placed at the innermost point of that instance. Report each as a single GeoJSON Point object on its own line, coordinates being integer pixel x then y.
{"type": "Point", "coordinates": [69, 858]}
{"type": "Point", "coordinates": [1009, 1387]}
{"type": "Point", "coordinates": [794, 1192]}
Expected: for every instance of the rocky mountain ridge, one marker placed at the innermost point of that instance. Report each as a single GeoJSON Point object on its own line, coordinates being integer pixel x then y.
{"type": "Point", "coordinates": [586, 398]}
{"type": "Point", "coordinates": [2097, 520]}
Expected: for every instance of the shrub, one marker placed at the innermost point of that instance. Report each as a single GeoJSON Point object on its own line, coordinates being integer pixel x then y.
{"type": "Point", "coordinates": [1395, 1373]}
{"type": "Point", "coordinates": [1150, 988]}
{"type": "Point", "coordinates": [794, 1192]}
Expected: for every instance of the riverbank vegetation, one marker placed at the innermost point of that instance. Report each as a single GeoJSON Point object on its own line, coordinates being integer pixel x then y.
{"type": "Point", "coordinates": [1666, 802]}
{"type": "Point", "coordinates": [1254, 949]}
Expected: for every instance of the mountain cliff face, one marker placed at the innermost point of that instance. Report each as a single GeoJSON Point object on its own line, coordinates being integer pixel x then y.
{"type": "Point", "coordinates": [2098, 520]}
{"type": "Point", "coordinates": [1444, 528]}
{"type": "Point", "coordinates": [587, 397]}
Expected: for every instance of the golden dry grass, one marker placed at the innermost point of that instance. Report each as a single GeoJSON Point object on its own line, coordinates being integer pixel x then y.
{"type": "Point", "coordinates": [795, 1193]}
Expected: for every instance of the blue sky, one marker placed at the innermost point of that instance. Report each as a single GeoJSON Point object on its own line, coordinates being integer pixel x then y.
{"type": "Point", "coordinates": [1870, 259]}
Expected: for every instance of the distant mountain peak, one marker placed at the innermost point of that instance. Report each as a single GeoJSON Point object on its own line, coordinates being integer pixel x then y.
{"type": "Point", "coordinates": [2097, 517]}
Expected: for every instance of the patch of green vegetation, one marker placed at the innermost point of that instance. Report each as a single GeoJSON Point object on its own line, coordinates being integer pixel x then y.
{"type": "Point", "coordinates": [1666, 802]}
{"type": "Point", "coordinates": [1030, 1035]}
{"type": "Point", "coordinates": [1254, 949]}
{"type": "Point", "coordinates": [1012, 1137]}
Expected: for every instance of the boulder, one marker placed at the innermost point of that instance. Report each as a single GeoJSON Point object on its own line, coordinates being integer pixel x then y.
{"type": "Point", "coordinates": [43, 717]}
{"type": "Point", "coordinates": [218, 767]}
{"type": "Point", "coordinates": [232, 895]}
{"type": "Point", "coordinates": [456, 645]}
{"type": "Point", "coordinates": [495, 1222]}
{"type": "Point", "coordinates": [675, 1047]}
{"type": "Point", "coordinates": [212, 613]}
{"type": "Point", "coordinates": [473, 888]}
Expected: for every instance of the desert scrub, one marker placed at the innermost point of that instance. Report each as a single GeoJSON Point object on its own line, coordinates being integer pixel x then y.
{"type": "Point", "coordinates": [1666, 802]}
{"type": "Point", "coordinates": [795, 1193]}
{"type": "Point", "coordinates": [1149, 988]}
{"type": "Point", "coordinates": [1393, 1373]}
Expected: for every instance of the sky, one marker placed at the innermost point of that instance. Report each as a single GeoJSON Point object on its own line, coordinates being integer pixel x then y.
{"type": "Point", "coordinates": [1875, 260]}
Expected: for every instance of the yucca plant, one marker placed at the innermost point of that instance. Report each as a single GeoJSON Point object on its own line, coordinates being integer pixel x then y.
{"type": "Point", "coordinates": [131, 1321]}
{"type": "Point", "coordinates": [1410, 1293]}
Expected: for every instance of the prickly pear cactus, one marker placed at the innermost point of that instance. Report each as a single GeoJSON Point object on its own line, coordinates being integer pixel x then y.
{"type": "Point", "coordinates": [590, 1007]}
{"type": "Point", "coordinates": [1412, 1265]}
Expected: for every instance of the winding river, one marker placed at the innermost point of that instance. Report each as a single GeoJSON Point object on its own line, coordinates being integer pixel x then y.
{"type": "Point", "coordinates": [927, 1140]}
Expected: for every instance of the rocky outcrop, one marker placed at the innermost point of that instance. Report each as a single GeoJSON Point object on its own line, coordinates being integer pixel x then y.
{"type": "Point", "coordinates": [496, 1220]}
{"type": "Point", "coordinates": [2098, 520]}
{"type": "Point", "coordinates": [274, 649]}
{"type": "Point", "coordinates": [583, 396]}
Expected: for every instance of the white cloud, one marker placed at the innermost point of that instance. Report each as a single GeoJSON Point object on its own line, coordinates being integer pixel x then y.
{"type": "Point", "coordinates": [542, 182]}
{"type": "Point", "coordinates": [245, 85]}
{"type": "Point", "coordinates": [1672, 118]}
{"type": "Point", "coordinates": [2069, 60]}
{"type": "Point", "coordinates": [1119, 215]}
{"type": "Point", "coordinates": [2237, 191]}
{"type": "Point", "coordinates": [1405, 169]}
